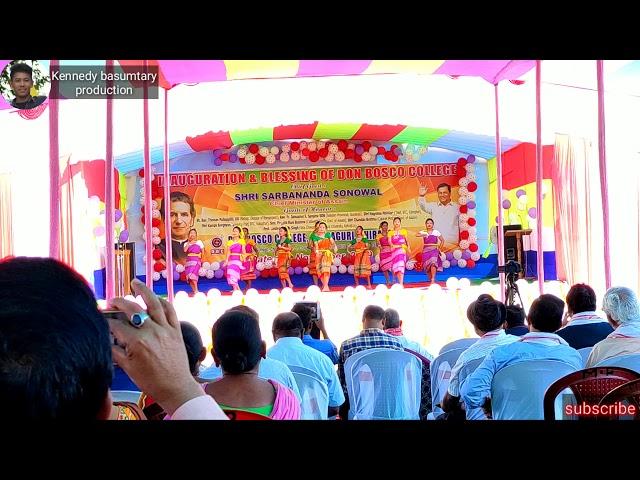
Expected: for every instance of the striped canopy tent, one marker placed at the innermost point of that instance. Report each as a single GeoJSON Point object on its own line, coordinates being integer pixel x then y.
{"type": "Point", "coordinates": [176, 72]}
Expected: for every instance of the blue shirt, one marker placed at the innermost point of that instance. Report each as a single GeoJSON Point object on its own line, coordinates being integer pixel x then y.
{"type": "Point", "coordinates": [291, 351]}
{"type": "Point", "coordinates": [532, 346]}
{"type": "Point", "coordinates": [325, 346]}
{"type": "Point", "coordinates": [269, 369]}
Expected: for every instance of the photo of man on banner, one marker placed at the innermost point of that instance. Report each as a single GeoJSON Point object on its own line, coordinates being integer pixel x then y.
{"type": "Point", "coordinates": [445, 214]}
{"type": "Point", "coordinates": [183, 213]}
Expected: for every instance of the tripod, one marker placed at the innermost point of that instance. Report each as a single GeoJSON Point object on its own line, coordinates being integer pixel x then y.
{"type": "Point", "coordinates": [512, 290]}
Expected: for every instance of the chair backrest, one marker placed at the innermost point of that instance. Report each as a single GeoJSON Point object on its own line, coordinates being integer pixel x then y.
{"type": "Point", "coordinates": [242, 415]}
{"type": "Point", "coordinates": [466, 370]}
{"type": "Point", "coordinates": [383, 384]}
{"type": "Point", "coordinates": [460, 343]}
{"type": "Point", "coordinates": [589, 386]}
{"type": "Point", "coordinates": [584, 353]}
{"type": "Point", "coordinates": [628, 392]}
{"type": "Point", "coordinates": [307, 371]}
{"type": "Point", "coordinates": [632, 362]}
{"type": "Point", "coordinates": [315, 396]}
{"type": "Point", "coordinates": [440, 376]}
{"type": "Point", "coordinates": [125, 396]}
{"type": "Point", "coordinates": [517, 390]}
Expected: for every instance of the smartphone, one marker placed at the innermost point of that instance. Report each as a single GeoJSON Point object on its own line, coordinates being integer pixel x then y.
{"type": "Point", "coordinates": [112, 313]}
{"type": "Point", "coordinates": [315, 308]}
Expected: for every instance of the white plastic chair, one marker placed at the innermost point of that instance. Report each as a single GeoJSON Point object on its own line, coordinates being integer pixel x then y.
{"type": "Point", "coordinates": [517, 391]}
{"type": "Point", "coordinates": [440, 376]}
{"type": "Point", "coordinates": [463, 343]}
{"type": "Point", "coordinates": [632, 362]}
{"type": "Point", "coordinates": [584, 353]}
{"type": "Point", "coordinates": [315, 397]}
{"type": "Point", "coordinates": [125, 396]}
{"type": "Point", "coordinates": [383, 384]}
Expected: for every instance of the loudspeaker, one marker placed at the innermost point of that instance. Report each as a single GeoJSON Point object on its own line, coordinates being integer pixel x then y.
{"type": "Point", "coordinates": [511, 243]}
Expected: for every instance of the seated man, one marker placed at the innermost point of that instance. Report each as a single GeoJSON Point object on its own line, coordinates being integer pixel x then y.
{"type": "Point", "coordinates": [620, 304]}
{"type": "Point", "coordinates": [372, 336]}
{"type": "Point", "coordinates": [515, 321]}
{"type": "Point", "coordinates": [545, 317]}
{"type": "Point", "coordinates": [393, 326]}
{"type": "Point", "coordinates": [269, 368]}
{"type": "Point", "coordinates": [325, 346]}
{"type": "Point", "coordinates": [487, 317]}
{"type": "Point", "coordinates": [288, 332]}
{"type": "Point", "coordinates": [584, 328]}
{"type": "Point", "coordinates": [56, 354]}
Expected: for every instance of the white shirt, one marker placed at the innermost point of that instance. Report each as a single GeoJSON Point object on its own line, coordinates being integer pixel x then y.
{"type": "Point", "coordinates": [445, 217]}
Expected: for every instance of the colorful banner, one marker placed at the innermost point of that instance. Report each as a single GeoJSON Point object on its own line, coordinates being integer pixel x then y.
{"type": "Point", "coordinates": [342, 197]}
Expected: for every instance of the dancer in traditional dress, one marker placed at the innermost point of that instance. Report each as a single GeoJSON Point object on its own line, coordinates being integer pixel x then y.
{"type": "Point", "coordinates": [193, 248]}
{"type": "Point", "coordinates": [385, 250]}
{"type": "Point", "coordinates": [325, 248]}
{"type": "Point", "coordinates": [362, 263]}
{"type": "Point", "coordinates": [433, 245]}
{"type": "Point", "coordinates": [250, 259]}
{"type": "Point", "coordinates": [399, 244]}
{"type": "Point", "coordinates": [283, 254]}
{"type": "Point", "coordinates": [313, 237]}
{"type": "Point", "coordinates": [234, 249]}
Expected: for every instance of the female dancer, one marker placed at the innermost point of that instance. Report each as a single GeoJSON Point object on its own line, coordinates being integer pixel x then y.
{"type": "Point", "coordinates": [313, 268]}
{"type": "Point", "coordinates": [385, 252]}
{"type": "Point", "coordinates": [250, 259]}
{"type": "Point", "coordinates": [325, 248]}
{"type": "Point", "coordinates": [193, 248]}
{"type": "Point", "coordinates": [233, 253]}
{"type": "Point", "coordinates": [283, 254]}
{"type": "Point", "coordinates": [433, 244]}
{"type": "Point", "coordinates": [398, 240]}
{"type": "Point", "coordinates": [362, 263]}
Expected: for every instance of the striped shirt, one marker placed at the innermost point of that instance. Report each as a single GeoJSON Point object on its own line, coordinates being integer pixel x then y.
{"type": "Point", "coordinates": [480, 349]}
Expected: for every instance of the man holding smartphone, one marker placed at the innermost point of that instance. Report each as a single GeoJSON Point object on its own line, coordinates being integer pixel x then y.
{"type": "Point", "coordinates": [311, 316]}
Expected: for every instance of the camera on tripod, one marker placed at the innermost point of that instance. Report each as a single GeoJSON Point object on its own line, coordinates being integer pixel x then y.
{"type": "Point", "coordinates": [511, 269]}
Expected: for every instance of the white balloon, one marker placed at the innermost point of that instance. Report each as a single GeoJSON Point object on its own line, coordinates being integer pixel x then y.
{"type": "Point", "coordinates": [452, 283]}
{"type": "Point", "coordinates": [215, 266]}
{"type": "Point", "coordinates": [305, 269]}
{"type": "Point", "coordinates": [475, 256]}
{"type": "Point", "coordinates": [464, 283]}
{"type": "Point", "coordinates": [375, 267]}
{"type": "Point", "coordinates": [206, 265]}
{"type": "Point", "coordinates": [342, 269]}
{"type": "Point", "coordinates": [210, 274]}
{"type": "Point", "coordinates": [252, 292]}
{"type": "Point", "coordinates": [179, 268]}
{"type": "Point", "coordinates": [446, 264]}
{"type": "Point", "coordinates": [334, 269]}
{"type": "Point", "coordinates": [462, 263]}
{"type": "Point", "coordinates": [350, 269]}
{"type": "Point", "coordinates": [156, 276]}
{"type": "Point", "coordinates": [457, 254]}
{"type": "Point", "coordinates": [213, 293]}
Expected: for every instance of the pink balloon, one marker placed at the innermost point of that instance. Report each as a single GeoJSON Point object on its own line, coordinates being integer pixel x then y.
{"type": "Point", "coordinates": [533, 212]}
{"type": "Point", "coordinates": [98, 231]}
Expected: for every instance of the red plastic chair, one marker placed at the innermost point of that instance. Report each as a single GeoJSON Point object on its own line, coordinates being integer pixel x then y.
{"type": "Point", "coordinates": [629, 393]}
{"type": "Point", "coordinates": [588, 386]}
{"type": "Point", "coordinates": [242, 415]}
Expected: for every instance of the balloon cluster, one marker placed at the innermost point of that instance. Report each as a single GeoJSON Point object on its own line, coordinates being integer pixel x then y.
{"type": "Point", "coordinates": [467, 254]}
{"type": "Point", "coordinates": [314, 151]}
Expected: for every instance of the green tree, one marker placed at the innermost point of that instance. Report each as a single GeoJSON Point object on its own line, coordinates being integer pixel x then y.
{"type": "Point", "coordinates": [40, 78]}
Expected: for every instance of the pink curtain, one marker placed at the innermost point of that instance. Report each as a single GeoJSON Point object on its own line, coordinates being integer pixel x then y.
{"type": "Point", "coordinates": [577, 202]}
{"type": "Point", "coordinates": [6, 232]}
